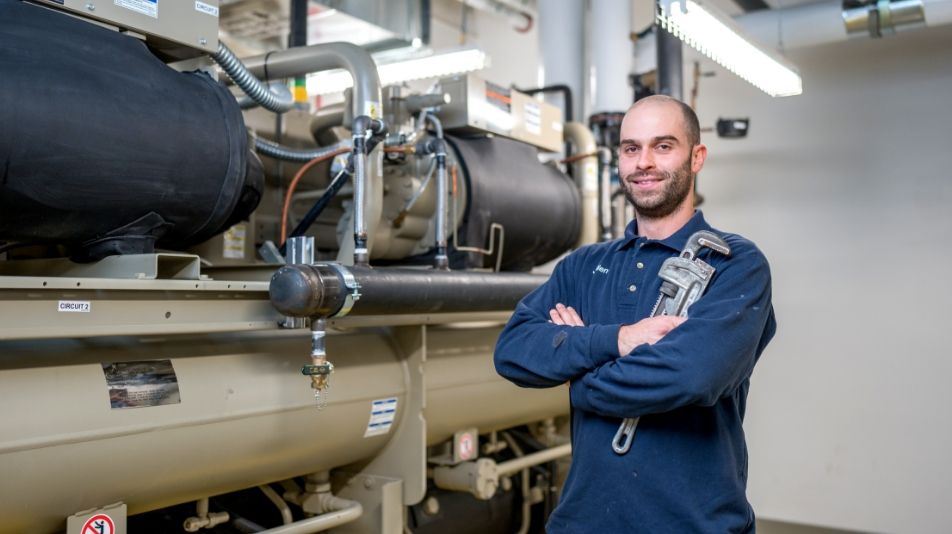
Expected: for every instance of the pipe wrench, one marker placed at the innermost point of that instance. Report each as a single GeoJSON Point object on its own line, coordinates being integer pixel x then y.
{"type": "Point", "coordinates": [684, 279]}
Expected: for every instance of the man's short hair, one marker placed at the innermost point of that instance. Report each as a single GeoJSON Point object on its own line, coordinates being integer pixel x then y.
{"type": "Point", "coordinates": [691, 124]}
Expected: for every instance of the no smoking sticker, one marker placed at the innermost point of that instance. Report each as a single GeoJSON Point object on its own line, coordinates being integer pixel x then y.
{"type": "Point", "coordinates": [99, 524]}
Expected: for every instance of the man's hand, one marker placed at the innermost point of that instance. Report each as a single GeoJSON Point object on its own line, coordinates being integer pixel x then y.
{"type": "Point", "coordinates": [565, 315]}
{"type": "Point", "coordinates": [648, 330]}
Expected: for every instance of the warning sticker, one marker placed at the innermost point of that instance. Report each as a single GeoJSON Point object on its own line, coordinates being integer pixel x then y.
{"type": "Point", "coordinates": [146, 7]}
{"type": "Point", "coordinates": [99, 524]}
{"type": "Point", "coordinates": [382, 413]}
{"type": "Point", "coordinates": [140, 384]}
{"type": "Point", "coordinates": [234, 242]}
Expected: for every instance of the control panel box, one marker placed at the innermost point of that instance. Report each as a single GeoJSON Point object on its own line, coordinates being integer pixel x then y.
{"type": "Point", "coordinates": [479, 106]}
{"type": "Point", "coordinates": [181, 28]}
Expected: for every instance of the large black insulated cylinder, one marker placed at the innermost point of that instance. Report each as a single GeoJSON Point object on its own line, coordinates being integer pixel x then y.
{"type": "Point", "coordinates": [106, 149]}
{"type": "Point", "coordinates": [538, 206]}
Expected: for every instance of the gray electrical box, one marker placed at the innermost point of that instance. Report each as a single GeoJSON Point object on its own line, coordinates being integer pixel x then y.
{"type": "Point", "coordinates": [179, 28]}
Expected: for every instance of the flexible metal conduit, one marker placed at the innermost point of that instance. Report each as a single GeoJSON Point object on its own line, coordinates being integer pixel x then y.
{"type": "Point", "coordinates": [278, 88]}
{"type": "Point", "coordinates": [320, 290]}
{"type": "Point", "coordinates": [295, 62]}
{"type": "Point", "coordinates": [252, 86]}
{"type": "Point", "coordinates": [274, 150]}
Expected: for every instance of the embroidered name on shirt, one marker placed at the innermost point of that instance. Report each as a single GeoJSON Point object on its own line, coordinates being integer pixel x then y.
{"type": "Point", "coordinates": [600, 269]}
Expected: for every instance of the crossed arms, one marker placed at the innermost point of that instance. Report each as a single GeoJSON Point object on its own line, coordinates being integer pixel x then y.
{"type": "Point", "coordinates": [652, 366]}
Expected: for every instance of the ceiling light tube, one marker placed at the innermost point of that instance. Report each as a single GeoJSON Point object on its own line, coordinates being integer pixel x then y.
{"type": "Point", "coordinates": [719, 38]}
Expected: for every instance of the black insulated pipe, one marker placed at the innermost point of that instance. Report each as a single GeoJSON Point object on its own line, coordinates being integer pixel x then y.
{"type": "Point", "coordinates": [670, 76]}
{"type": "Point", "coordinates": [320, 290]}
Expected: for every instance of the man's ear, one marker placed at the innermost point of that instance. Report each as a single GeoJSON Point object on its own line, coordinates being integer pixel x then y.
{"type": "Point", "coordinates": [698, 155]}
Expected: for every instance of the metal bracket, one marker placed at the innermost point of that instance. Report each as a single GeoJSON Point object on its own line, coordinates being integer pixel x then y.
{"type": "Point", "coordinates": [353, 288]}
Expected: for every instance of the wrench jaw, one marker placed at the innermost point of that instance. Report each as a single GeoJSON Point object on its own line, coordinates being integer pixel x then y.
{"type": "Point", "coordinates": [689, 278]}
{"type": "Point", "coordinates": [704, 239]}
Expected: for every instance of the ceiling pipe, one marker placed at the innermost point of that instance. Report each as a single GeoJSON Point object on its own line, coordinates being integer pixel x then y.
{"type": "Point", "coordinates": [827, 22]}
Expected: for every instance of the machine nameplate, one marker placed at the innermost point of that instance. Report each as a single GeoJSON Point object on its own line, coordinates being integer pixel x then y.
{"type": "Point", "coordinates": [141, 384]}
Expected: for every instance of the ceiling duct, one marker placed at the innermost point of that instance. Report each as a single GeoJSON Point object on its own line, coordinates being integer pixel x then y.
{"type": "Point", "coordinates": [830, 22]}
{"type": "Point", "coordinates": [404, 22]}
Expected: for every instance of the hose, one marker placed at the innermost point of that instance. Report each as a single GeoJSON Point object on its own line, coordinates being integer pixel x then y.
{"type": "Point", "coordinates": [252, 86]}
{"type": "Point", "coordinates": [325, 155]}
{"type": "Point", "coordinates": [312, 214]}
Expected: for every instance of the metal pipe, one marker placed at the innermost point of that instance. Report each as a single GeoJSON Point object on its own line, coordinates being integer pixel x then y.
{"type": "Point", "coordinates": [322, 290]}
{"type": "Point", "coordinates": [364, 127]}
{"type": "Point", "coordinates": [827, 22]}
{"type": "Point", "coordinates": [361, 254]}
{"type": "Point", "coordinates": [524, 475]}
{"type": "Point", "coordinates": [586, 179]}
{"type": "Point", "coordinates": [604, 193]}
{"type": "Point", "coordinates": [307, 59]}
{"type": "Point", "coordinates": [441, 261]}
{"type": "Point", "coordinates": [536, 458]}
{"type": "Point", "coordinates": [670, 76]}
{"type": "Point", "coordinates": [438, 148]}
{"type": "Point", "coordinates": [286, 517]}
{"type": "Point", "coordinates": [610, 55]}
{"type": "Point", "coordinates": [322, 522]}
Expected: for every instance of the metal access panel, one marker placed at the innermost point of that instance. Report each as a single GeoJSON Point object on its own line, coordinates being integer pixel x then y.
{"type": "Point", "coordinates": [480, 106]}
{"type": "Point", "coordinates": [165, 24]}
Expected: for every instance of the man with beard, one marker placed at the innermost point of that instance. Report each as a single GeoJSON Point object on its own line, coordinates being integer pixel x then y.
{"type": "Point", "coordinates": [687, 379]}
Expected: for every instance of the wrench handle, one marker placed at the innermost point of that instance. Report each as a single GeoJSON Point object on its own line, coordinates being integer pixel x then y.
{"type": "Point", "coordinates": [626, 432]}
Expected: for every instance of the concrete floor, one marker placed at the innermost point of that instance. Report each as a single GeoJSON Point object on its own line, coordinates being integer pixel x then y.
{"type": "Point", "coordinates": [777, 527]}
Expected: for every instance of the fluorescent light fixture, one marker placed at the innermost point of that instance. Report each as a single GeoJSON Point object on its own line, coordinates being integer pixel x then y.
{"type": "Point", "coordinates": [718, 37]}
{"type": "Point", "coordinates": [416, 68]}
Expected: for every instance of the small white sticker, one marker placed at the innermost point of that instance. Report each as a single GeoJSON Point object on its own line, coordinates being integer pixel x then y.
{"type": "Point", "coordinates": [74, 306]}
{"type": "Point", "coordinates": [382, 413]}
{"type": "Point", "coordinates": [533, 118]}
{"type": "Point", "coordinates": [234, 242]}
{"type": "Point", "coordinates": [146, 7]}
{"type": "Point", "coordinates": [206, 8]}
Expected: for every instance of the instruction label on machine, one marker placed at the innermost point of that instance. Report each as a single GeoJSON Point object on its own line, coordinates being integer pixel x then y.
{"type": "Point", "coordinates": [382, 413]}
{"type": "Point", "coordinates": [234, 242]}
{"type": "Point", "coordinates": [140, 384]}
{"type": "Point", "coordinates": [146, 7]}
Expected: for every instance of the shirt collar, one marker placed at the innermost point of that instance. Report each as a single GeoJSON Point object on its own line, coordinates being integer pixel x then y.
{"type": "Point", "coordinates": [675, 241]}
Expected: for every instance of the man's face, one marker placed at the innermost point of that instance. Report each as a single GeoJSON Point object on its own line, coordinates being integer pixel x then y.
{"type": "Point", "coordinates": [656, 161]}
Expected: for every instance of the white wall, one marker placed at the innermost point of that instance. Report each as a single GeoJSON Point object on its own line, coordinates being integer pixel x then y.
{"type": "Point", "coordinates": [847, 190]}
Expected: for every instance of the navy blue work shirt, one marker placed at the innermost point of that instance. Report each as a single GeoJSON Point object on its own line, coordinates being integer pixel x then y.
{"type": "Point", "coordinates": [686, 470]}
